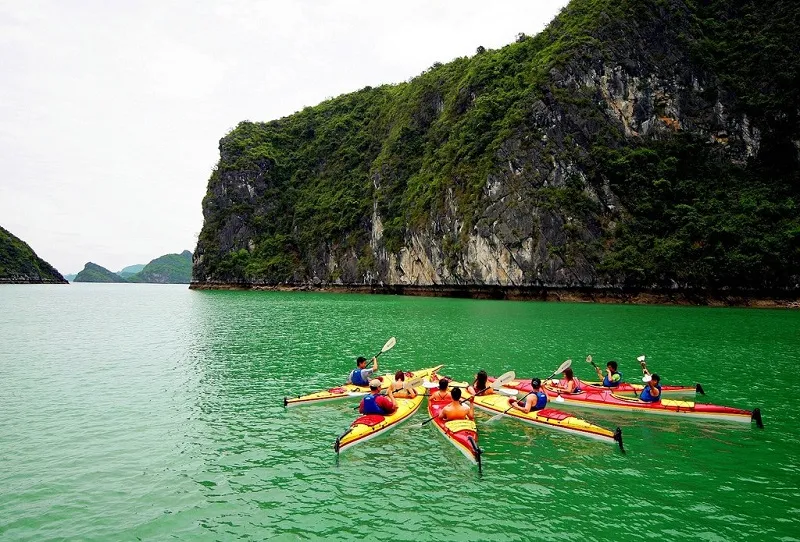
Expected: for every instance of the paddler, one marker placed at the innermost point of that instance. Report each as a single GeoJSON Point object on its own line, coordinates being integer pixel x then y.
{"type": "Point", "coordinates": [612, 378]}
{"type": "Point", "coordinates": [375, 402]}
{"type": "Point", "coordinates": [398, 388]}
{"type": "Point", "coordinates": [360, 376]}
{"type": "Point", "coordinates": [480, 386]}
{"type": "Point", "coordinates": [536, 400]}
{"type": "Point", "coordinates": [568, 384]}
{"type": "Point", "coordinates": [652, 391]}
{"type": "Point", "coordinates": [441, 394]}
{"type": "Point", "coordinates": [456, 410]}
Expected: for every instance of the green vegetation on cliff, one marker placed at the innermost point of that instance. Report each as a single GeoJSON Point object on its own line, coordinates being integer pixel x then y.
{"type": "Point", "coordinates": [20, 264]}
{"type": "Point", "coordinates": [167, 269]}
{"type": "Point", "coordinates": [92, 272]}
{"type": "Point", "coordinates": [654, 143]}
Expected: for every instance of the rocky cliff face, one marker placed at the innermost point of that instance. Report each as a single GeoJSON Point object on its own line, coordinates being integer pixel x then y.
{"type": "Point", "coordinates": [629, 113]}
{"type": "Point", "coordinates": [19, 264]}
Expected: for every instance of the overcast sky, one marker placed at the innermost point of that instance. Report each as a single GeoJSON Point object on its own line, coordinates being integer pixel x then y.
{"type": "Point", "coordinates": [111, 111]}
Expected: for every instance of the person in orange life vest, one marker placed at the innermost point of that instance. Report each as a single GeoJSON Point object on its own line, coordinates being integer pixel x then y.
{"type": "Point", "coordinates": [360, 376]}
{"type": "Point", "coordinates": [375, 402]}
{"type": "Point", "coordinates": [480, 386]}
{"type": "Point", "coordinates": [568, 384]}
{"type": "Point", "coordinates": [652, 391]}
{"type": "Point", "coordinates": [441, 394]}
{"type": "Point", "coordinates": [457, 411]}
{"type": "Point", "coordinates": [536, 400]}
{"type": "Point", "coordinates": [397, 387]}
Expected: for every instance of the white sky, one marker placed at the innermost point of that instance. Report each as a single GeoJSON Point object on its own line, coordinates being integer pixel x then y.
{"type": "Point", "coordinates": [111, 111]}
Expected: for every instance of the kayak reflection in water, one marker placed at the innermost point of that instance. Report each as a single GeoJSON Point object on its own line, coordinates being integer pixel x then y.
{"type": "Point", "coordinates": [457, 411]}
{"type": "Point", "coordinates": [536, 400]}
{"type": "Point", "coordinates": [360, 375]}
{"type": "Point", "coordinates": [480, 385]}
{"type": "Point", "coordinates": [397, 387]}
{"type": "Point", "coordinates": [652, 391]}
{"type": "Point", "coordinates": [568, 384]}
{"type": "Point", "coordinates": [375, 402]}
{"type": "Point", "coordinates": [441, 394]}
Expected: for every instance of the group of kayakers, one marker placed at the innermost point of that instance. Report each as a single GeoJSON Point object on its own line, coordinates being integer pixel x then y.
{"type": "Point", "coordinates": [378, 403]}
{"type": "Point", "coordinates": [612, 379]}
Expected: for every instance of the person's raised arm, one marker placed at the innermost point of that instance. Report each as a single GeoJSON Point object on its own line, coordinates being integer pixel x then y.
{"type": "Point", "coordinates": [600, 373]}
{"type": "Point", "coordinates": [375, 363]}
{"type": "Point", "coordinates": [471, 407]}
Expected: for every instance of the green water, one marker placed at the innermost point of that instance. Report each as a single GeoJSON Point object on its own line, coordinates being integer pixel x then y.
{"type": "Point", "coordinates": [154, 412]}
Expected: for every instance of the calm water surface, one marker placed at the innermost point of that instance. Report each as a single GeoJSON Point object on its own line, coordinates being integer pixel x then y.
{"type": "Point", "coordinates": [153, 412]}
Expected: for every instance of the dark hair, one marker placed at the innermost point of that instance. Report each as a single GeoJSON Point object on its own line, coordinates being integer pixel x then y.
{"type": "Point", "coordinates": [612, 365]}
{"type": "Point", "coordinates": [480, 380]}
{"type": "Point", "coordinates": [536, 383]}
{"type": "Point", "coordinates": [443, 384]}
{"type": "Point", "coordinates": [568, 374]}
{"type": "Point", "coordinates": [456, 394]}
{"type": "Point", "coordinates": [360, 360]}
{"type": "Point", "coordinates": [655, 377]}
{"type": "Point", "coordinates": [400, 375]}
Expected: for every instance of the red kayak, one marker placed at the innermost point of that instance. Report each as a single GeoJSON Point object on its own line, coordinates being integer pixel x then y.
{"type": "Point", "coordinates": [605, 399]}
{"type": "Point", "coordinates": [627, 387]}
{"type": "Point", "coordinates": [624, 387]}
{"type": "Point", "coordinates": [462, 433]}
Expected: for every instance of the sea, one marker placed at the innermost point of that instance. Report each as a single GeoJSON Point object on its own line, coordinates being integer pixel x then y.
{"type": "Point", "coordinates": [155, 412]}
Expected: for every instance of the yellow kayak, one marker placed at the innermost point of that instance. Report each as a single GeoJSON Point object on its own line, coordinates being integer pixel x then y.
{"type": "Point", "coordinates": [350, 390]}
{"type": "Point", "coordinates": [549, 417]}
{"type": "Point", "coordinates": [369, 426]}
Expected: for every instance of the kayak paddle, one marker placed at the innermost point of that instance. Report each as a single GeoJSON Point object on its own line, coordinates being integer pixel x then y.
{"type": "Point", "coordinates": [386, 347]}
{"type": "Point", "coordinates": [646, 378]}
{"type": "Point", "coordinates": [563, 367]}
{"type": "Point", "coordinates": [498, 383]}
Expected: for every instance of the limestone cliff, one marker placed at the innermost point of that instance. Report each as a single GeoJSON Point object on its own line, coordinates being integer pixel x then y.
{"type": "Point", "coordinates": [633, 144]}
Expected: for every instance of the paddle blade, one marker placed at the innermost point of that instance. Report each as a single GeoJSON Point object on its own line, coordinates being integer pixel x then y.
{"type": "Point", "coordinates": [430, 385]}
{"type": "Point", "coordinates": [510, 392]}
{"type": "Point", "coordinates": [640, 359]}
{"type": "Point", "coordinates": [503, 379]}
{"type": "Point", "coordinates": [495, 417]}
{"type": "Point", "coordinates": [589, 359]}
{"type": "Point", "coordinates": [389, 345]}
{"type": "Point", "coordinates": [647, 378]}
{"type": "Point", "coordinates": [563, 367]}
{"type": "Point", "coordinates": [559, 399]}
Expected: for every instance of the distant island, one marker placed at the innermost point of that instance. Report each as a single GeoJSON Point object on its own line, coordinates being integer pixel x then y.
{"type": "Point", "coordinates": [19, 264]}
{"type": "Point", "coordinates": [167, 269]}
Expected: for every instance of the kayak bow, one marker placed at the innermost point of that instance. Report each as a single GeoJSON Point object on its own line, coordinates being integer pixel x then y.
{"type": "Point", "coordinates": [371, 425]}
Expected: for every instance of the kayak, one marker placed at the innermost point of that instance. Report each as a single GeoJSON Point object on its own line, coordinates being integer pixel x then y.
{"type": "Point", "coordinates": [370, 426]}
{"type": "Point", "coordinates": [624, 387]}
{"type": "Point", "coordinates": [627, 387]}
{"type": "Point", "coordinates": [551, 418]}
{"type": "Point", "coordinates": [463, 434]}
{"type": "Point", "coordinates": [608, 400]}
{"type": "Point", "coordinates": [351, 390]}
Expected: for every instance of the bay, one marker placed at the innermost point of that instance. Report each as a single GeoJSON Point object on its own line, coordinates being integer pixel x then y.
{"type": "Point", "coordinates": [154, 412]}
